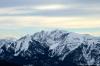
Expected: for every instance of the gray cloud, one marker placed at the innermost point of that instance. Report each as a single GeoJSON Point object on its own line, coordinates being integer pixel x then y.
{"type": "Point", "coordinates": [9, 3]}
{"type": "Point", "coordinates": [78, 8]}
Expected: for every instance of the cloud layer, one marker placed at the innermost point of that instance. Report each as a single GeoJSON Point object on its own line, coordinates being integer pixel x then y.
{"type": "Point", "coordinates": [24, 24]}
{"type": "Point", "coordinates": [76, 9]}
{"type": "Point", "coordinates": [44, 21]}
{"type": "Point", "coordinates": [20, 17]}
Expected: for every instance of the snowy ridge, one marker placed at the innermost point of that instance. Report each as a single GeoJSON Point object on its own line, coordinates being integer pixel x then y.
{"type": "Point", "coordinates": [60, 43]}
{"type": "Point", "coordinates": [22, 44]}
{"type": "Point", "coordinates": [58, 39]}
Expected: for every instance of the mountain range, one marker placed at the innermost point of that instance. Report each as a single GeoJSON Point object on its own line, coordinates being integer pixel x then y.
{"type": "Point", "coordinates": [51, 48]}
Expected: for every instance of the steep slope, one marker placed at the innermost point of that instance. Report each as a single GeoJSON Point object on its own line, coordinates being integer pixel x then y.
{"type": "Point", "coordinates": [60, 42]}
{"type": "Point", "coordinates": [6, 48]}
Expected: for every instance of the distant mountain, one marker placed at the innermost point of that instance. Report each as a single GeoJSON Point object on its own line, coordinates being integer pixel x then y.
{"type": "Point", "coordinates": [51, 48]}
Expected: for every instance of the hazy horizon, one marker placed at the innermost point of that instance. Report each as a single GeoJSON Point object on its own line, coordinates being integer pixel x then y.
{"type": "Point", "coordinates": [22, 17]}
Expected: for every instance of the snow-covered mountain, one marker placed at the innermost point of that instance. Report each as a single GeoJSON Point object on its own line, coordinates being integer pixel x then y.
{"type": "Point", "coordinates": [52, 48]}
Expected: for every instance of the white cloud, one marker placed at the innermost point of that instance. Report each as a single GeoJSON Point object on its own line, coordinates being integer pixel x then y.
{"type": "Point", "coordinates": [91, 33]}
{"type": "Point", "coordinates": [32, 9]}
{"type": "Point", "coordinates": [15, 10]}
{"type": "Point", "coordinates": [56, 22]}
{"type": "Point", "coordinates": [51, 7]}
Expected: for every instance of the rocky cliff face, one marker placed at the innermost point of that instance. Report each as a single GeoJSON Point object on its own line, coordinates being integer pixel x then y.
{"type": "Point", "coordinates": [51, 48]}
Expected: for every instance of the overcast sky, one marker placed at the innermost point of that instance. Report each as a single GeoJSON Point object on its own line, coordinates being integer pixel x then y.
{"type": "Point", "coordinates": [21, 17]}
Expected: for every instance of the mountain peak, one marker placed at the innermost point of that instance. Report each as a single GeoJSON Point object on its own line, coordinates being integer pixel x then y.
{"type": "Point", "coordinates": [53, 45]}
